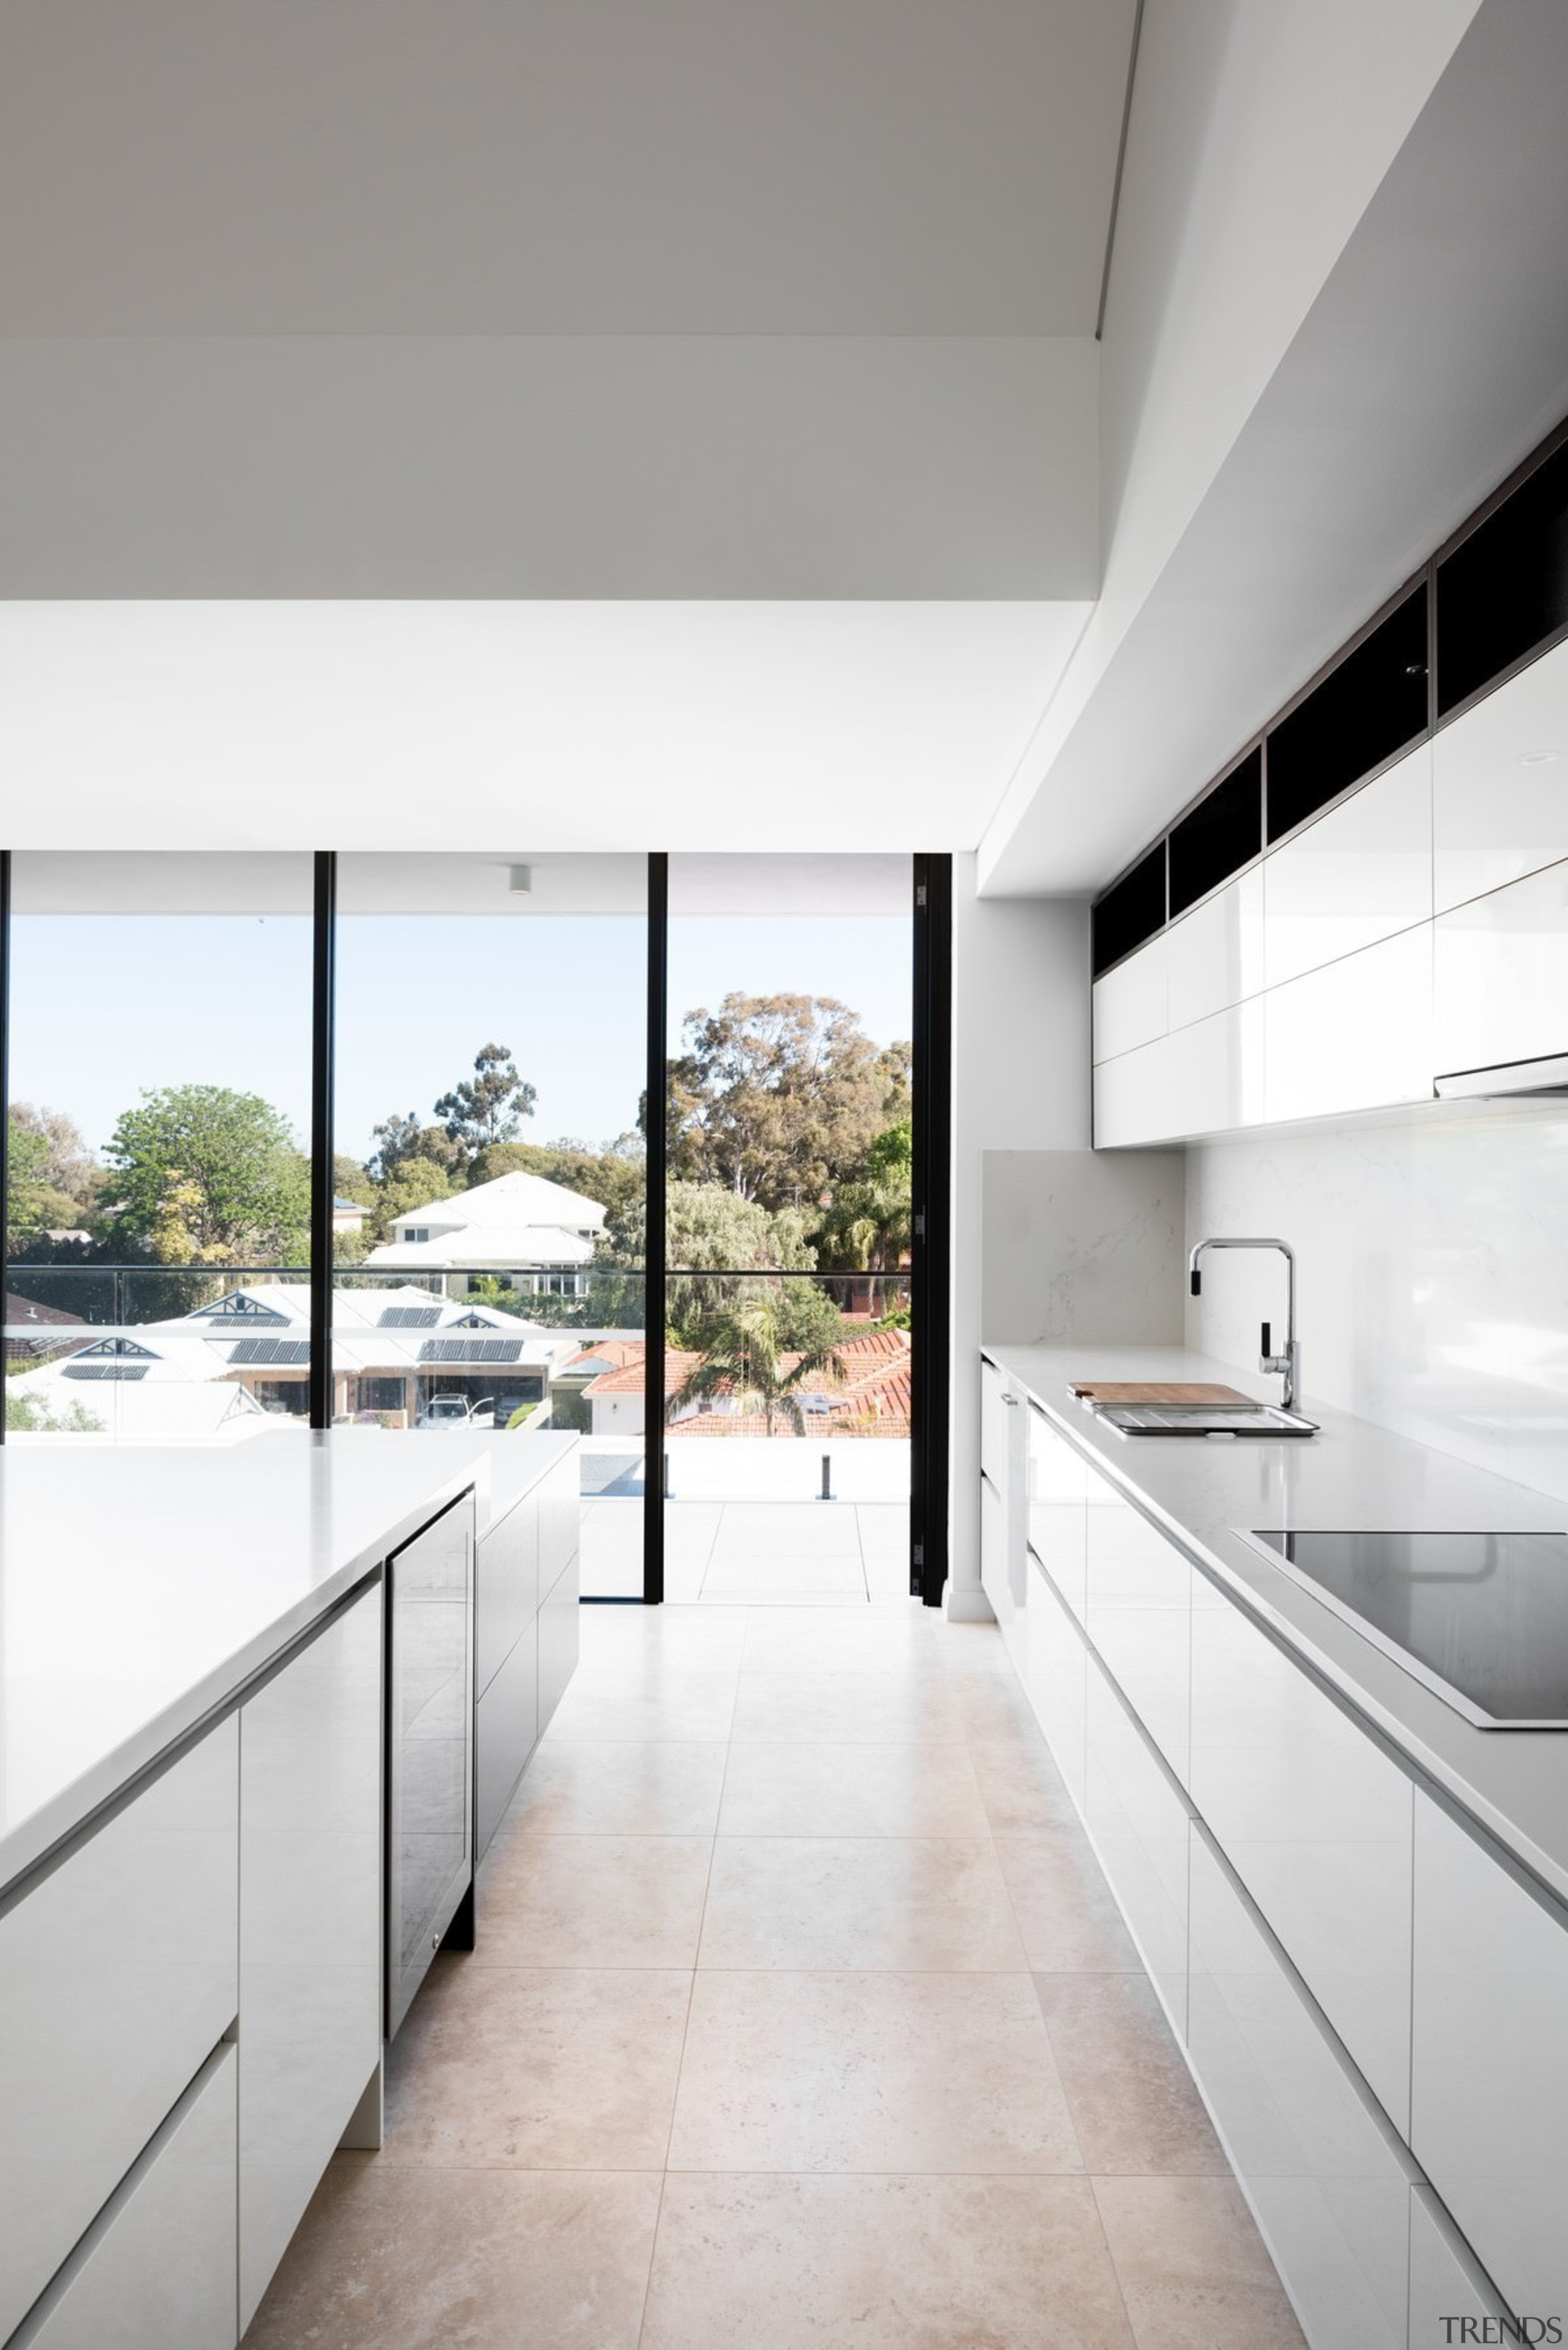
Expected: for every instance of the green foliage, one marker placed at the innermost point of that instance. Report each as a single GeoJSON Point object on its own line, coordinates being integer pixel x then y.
{"type": "Point", "coordinates": [27, 1161]}
{"type": "Point", "coordinates": [204, 1175]}
{"type": "Point", "coordinates": [30, 1415]}
{"type": "Point", "coordinates": [399, 1140]}
{"type": "Point", "coordinates": [412, 1184]}
{"type": "Point", "coordinates": [743, 1351]}
{"type": "Point", "coordinates": [489, 1106]}
{"type": "Point", "coordinates": [524, 1413]}
{"type": "Point", "coordinates": [897, 1317]}
{"type": "Point", "coordinates": [775, 1097]}
{"type": "Point", "coordinates": [612, 1177]}
{"type": "Point", "coordinates": [867, 1225]}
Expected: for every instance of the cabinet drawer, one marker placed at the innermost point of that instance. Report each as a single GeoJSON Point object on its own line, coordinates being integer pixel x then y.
{"type": "Point", "coordinates": [1138, 1822]}
{"type": "Point", "coordinates": [1137, 1618]}
{"type": "Point", "coordinates": [1057, 1505]}
{"type": "Point", "coordinates": [1500, 975]}
{"type": "Point", "coordinates": [996, 1414]}
{"type": "Point", "coordinates": [1447, 2282]}
{"type": "Point", "coordinates": [993, 1577]}
{"type": "Point", "coordinates": [560, 1514]}
{"type": "Point", "coordinates": [506, 1585]}
{"type": "Point", "coordinates": [310, 1925]}
{"type": "Point", "coordinates": [118, 1977]}
{"type": "Point", "coordinates": [1317, 1823]}
{"type": "Point", "coordinates": [1500, 785]}
{"type": "Point", "coordinates": [558, 1642]}
{"type": "Point", "coordinates": [1055, 1679]}
{"type": "Point", "coordinates": [506, 1723]}
{"type": "Point", "coordinates": [1324, 2173]}
{"type": "Point", "coordinates": [1489, 2069]}
{"type": "Point", "coordinates": [156, 2271]}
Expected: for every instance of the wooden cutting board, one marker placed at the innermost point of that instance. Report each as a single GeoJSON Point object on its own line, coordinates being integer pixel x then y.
{"type": "Point", "coordinates": [1168, 1392]}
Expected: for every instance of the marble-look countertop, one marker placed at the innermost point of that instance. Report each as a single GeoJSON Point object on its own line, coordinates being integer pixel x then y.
{"type": "Point", "coordinates": [1352, 1474]}
{"type": "Point", "coordinates": [139, 1589]}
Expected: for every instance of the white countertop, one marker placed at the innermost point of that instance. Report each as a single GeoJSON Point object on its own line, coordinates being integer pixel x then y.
{"type": "Point", "coordinates": [1352, 1474]}
{"type": "Point", "coordinates": [139, 1589]}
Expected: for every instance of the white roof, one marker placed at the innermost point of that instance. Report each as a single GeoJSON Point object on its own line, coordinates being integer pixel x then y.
{"type": "Point", "coordinates": [513, 1201]}
{"type": "Point", "coordinates": [487, 1245]}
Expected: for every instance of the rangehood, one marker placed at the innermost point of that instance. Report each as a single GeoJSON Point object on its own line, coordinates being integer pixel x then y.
{"type": "Point", "coordinates": [1544, 1076]}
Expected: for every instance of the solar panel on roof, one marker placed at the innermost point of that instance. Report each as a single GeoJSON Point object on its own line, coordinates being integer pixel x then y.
{"type": "Point", "coordinates": [272, 1350]}
{"type": "Point", "coordinates": [407, 1317]}
{"type": "Point", "coordinates": [470, 1350]}
{"type": "Point", "coordinates": [101, 1370]}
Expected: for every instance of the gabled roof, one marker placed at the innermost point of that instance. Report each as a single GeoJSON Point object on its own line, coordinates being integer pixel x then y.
{"type": "Point", "coordinates": [510, 1199]}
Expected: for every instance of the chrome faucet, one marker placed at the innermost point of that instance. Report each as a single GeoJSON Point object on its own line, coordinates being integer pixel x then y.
{"type": "Point", "coordinates": [1288, 1364]}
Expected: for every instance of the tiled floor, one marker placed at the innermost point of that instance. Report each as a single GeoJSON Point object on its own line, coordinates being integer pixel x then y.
{"type": "Point", "coordinates": [729, 1553]}
{"type": "Point", "coordinates": [801, 2019]}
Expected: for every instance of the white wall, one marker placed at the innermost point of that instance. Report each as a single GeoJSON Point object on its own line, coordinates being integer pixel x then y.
{"type": "Point", "coordinates": [1433, 1279]}
{"type": "Point", "coordinates": [1021, 1082]}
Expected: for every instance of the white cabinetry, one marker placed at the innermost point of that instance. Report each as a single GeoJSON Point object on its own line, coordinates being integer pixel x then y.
{"type": "Point", "coordinates": [1204, 1079]}
{"type": "Point", "coordinates": [1360, 873]}
{"type": "Point", "coordinates": [1500, 785]}
{"type": "Point", "coordinates": [1447, 2282]}
{"type": "Point", "coordinates": [1214, 955]}
{"type": "Point", "coordinates": [1327, 2178]}
{"type": "Point", "coordinates": [1490, 2065]}
{"type": "Point", "coordinates": [117, 1980]}
{"type": "Point", "coordinates": [1057, 1505]}
{"type": "Point", "coordinates": [1003, 1470]}
{"type": "Point", "coordinates": [310, 1924]}
{"type": "Point", "coordinates": [1138, 1821]}
{"type": "Point", "coordinates": [1138, 1617]}
{"type": "Point", "coordinates": [1501, 975]}
{"type": "Point", "coordinates": [1356, 1035]}
{"type": "Point", "coordinates": [156, 2271]}
{"type": "Point", "coordinates": [1055, 1678]}
{"type": "Point", "coordinates": [1316, 1822]}
{"type": "Point", "coordinates": [1130, 1005]}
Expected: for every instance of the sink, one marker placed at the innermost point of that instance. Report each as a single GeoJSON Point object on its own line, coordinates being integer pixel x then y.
{"type": "Point", "coordinates": [1267, 1420]}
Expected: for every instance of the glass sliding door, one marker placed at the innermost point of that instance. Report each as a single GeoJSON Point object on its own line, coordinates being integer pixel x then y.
{"type": "Point", "coordinates": [157, 1219]}
{"type": "Point", "coordinates": [791, 1317]}
{"type": "Point", "coordinates": [490, 1065]}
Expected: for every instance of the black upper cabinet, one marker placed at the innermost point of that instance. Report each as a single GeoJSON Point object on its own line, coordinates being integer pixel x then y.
{"type": "Point", "coordinates": [1221, 834]}
{"type": "Point", "coordinates": [1131, 910]}
{"type": "Point", "coordinates": [1504, 589]}
{"type": "Point", "coordinates": [1365, 709]}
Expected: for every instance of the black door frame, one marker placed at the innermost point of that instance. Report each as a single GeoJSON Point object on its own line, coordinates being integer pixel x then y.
{"type": "Point", "coordinates": [930, 1364]}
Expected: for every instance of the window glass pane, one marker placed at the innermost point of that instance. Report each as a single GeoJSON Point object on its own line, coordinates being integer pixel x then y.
{"type": "Point", "coordinates": [491, 1161]}
{"type": "Point", "coordinates": [790, 1313]}
{"type": "Point", "coordinates": [158, 1208]}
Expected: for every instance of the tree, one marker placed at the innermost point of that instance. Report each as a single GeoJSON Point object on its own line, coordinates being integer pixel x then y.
{"type": "Point", "coordinates": [489, 1106]}
{"type": "Point", "coordinates": [207, 1176]}
{"type": "Point", "coordinates": [744, 1357]}
{"type": "Point", "coordinates": [869, 1225]}
{"type": "Point", "coordinates": [616, 1182]}
{"type": "Point", "coordinates": [400, 1138]}
{"type": "Point", "coordinates": [30, 1415]}
{"type": "Point", "coordinates": [412, 1183]}
{"type": "Point", "coordinates": [775, 1096]}
{"type": "Point", "coordinates": [27, 1185]}
{"type": "Point", "coordinates": [68, 1165]}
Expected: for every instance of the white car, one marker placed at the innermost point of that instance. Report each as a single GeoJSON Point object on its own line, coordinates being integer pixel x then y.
{"type": "Point", "coordinates": [456, 1411]}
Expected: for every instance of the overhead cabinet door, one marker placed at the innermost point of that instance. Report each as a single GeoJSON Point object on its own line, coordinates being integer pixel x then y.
{"type": "Point", "coordinates": [1500, 975]}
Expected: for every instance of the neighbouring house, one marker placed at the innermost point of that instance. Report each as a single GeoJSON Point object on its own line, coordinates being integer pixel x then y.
{"type": "Point", "coordinates": [36, 1332]}
{"type": "Point", "coordinates": [348, 1216]}
{"type": "Point", "coordinates": [870, 1396]}
{"type": "Point", "coordinates": [538, 1236]}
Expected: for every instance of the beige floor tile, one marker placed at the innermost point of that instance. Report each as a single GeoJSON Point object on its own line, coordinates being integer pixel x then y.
{"type": "Point", "coordinates": [758, 1528]}
{"type": "Point", "coordinates": [888, 1902]}
{"type": "Point", "coordinates": [1020, 1785]}
{"type": "Point", "coordinates": [865, 2072]}
{"type": "Point", "coordinates": [899, 1790]}
{"type": "Point", "coordinates": [782, 1574]}
{"type": "Point", "coordinates": [622, 1638]}
{"type": "Point", "coordinates": [592, 1901]}
{"type": "Point", "coordinates": [1065, 1910]}
{"type": "Point", "coordinates": [537, 2068]}
{"type": "Point", "coordinates": [1193, 2270]}
{"type": "Point", "coordinates": [808, 1640]}
{"type": "Point", "coordinates": [610, 1787]}
{"type": "Point", "coordinates": [853, 1708]}
{"type": "Point", "coordinates": [1134, 2103]}
{"type": "Point", "coordinates": [882, 2263]}
{"type": "Point", "coordinates": [463, 2259]}
{"type": "Point", "coordinates": [653, 1705]}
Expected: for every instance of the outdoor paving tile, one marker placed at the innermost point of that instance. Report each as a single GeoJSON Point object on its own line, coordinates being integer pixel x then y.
{"type": "Point", "coordinates": [1194, 2271]}
{"type": "Point", "coordinates": [845, 2072]}
{"type": "Point", "coordinates": [899, 1790]}
{"type": "Point", "coordinates": [884, 2263]}
{"type": "Point", "coordinates": [885, 1903]}
{"type": "Point", "coordinates": [592, 1901]}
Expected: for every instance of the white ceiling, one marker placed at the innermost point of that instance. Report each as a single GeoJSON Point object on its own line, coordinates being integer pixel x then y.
{"type": "Point", "coordinates": [562, 167]}
{"type": "Point", "coordinates": [516, 729]}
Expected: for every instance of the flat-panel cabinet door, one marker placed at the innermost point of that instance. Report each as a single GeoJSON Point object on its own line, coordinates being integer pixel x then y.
{"type": "Point", "coordinates": [1447, 2282]}
{"type": "Point", "coordinates": [1356, 875]}
{"type": "Point", "coordinates": [1056, 1506]}
{"type": "Point", "coordinates": [158, 2272]}
{"type": "Point", "coordinates": [1208, 1078]}
{"type": "Point", "coordinates": [310, 1924]}
{"type": "Point", "coordinates": [560, 1522]}
{"type": "Point", "coordinates": [993, 1577]}
{"type": "Point", "coordinates": [505, 1586]}
{"type": "Point", "coordinates": [1324, 2172]}
{"type": "Point", "coordinates": [506, 1723]}
{"type": "Point", "coordinates": [1501, 975]}
{"type": "Point", "coordinates": [1138, 1609]}
{"type": "Point", "coordinates": [118, 1978]}
{"type": "Point", "coordinates": [1055, 1678]}
{"type": "Point", "coordinates": [1129, 1003]}
{"type": "Point", "coordinates": [1490, 2067]}
{"type": "Point", "coordinates": [559, 1638]}
{"type": "Point", "coordinates": [1215, 953]}
{"type": "Point", "coordinates": [1500, 785]}
{"type": "Point", "coordinates": [1138, 1821]}
{"type": "Point", "coordinates": [1356, 1035]}
{"type": "Point", "coordinates": [995, 1437]}
{"type": "Point", "coordinates": [1316, 1822]}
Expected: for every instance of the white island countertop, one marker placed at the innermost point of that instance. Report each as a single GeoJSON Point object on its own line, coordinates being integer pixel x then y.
{"type": "Point", "coordinates": [1351, 1475]}
{"type": "Point", "coordinates": [139, 1589]}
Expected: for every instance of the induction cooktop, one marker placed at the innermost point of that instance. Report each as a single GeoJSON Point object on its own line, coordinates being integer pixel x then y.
{"type": "Point", "coordinates": [1480, 1618]}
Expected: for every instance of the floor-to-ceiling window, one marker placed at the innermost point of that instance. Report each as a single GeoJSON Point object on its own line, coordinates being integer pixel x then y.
{"type": "Point", "coordinates": [157, 1213]}
{"type": "Point", "coordinates": [789, 1225]}
{"type": "Point", "coordinates": [491, 1162]}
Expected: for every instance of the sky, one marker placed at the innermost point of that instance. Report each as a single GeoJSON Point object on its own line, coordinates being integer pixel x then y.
{"type": "Point", "coordinates": [104, 1006]}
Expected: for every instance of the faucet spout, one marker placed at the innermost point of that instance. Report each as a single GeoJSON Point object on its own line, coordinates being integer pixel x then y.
{"type": "Point", "coordinates": [1286, 1365]}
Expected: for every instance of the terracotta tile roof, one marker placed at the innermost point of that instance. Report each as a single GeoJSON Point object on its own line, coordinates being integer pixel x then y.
{"type": "Point", "coordinates": [627, 1377]}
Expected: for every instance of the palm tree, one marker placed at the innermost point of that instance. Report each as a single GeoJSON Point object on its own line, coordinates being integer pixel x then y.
{"type": "Point", "coordinates": [742, 1357]}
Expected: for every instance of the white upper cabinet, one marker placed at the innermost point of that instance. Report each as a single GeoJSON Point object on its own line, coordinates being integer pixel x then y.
{"type": "Point", "coordinates": [1500, 975]}
{"type": "Point", "coordinates": [1130, 1003]}
{"type": "Point", "coordinates": [1355, 1036]}
{"type": "Point", "coordinates": [1214, 955]}
{"type": "Point", "coordinates": [1205, 1079]}
{"type": "Point", "coordinates": [1356, 875]}
{"type": "Point", "coordinates": [1500, 785]}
